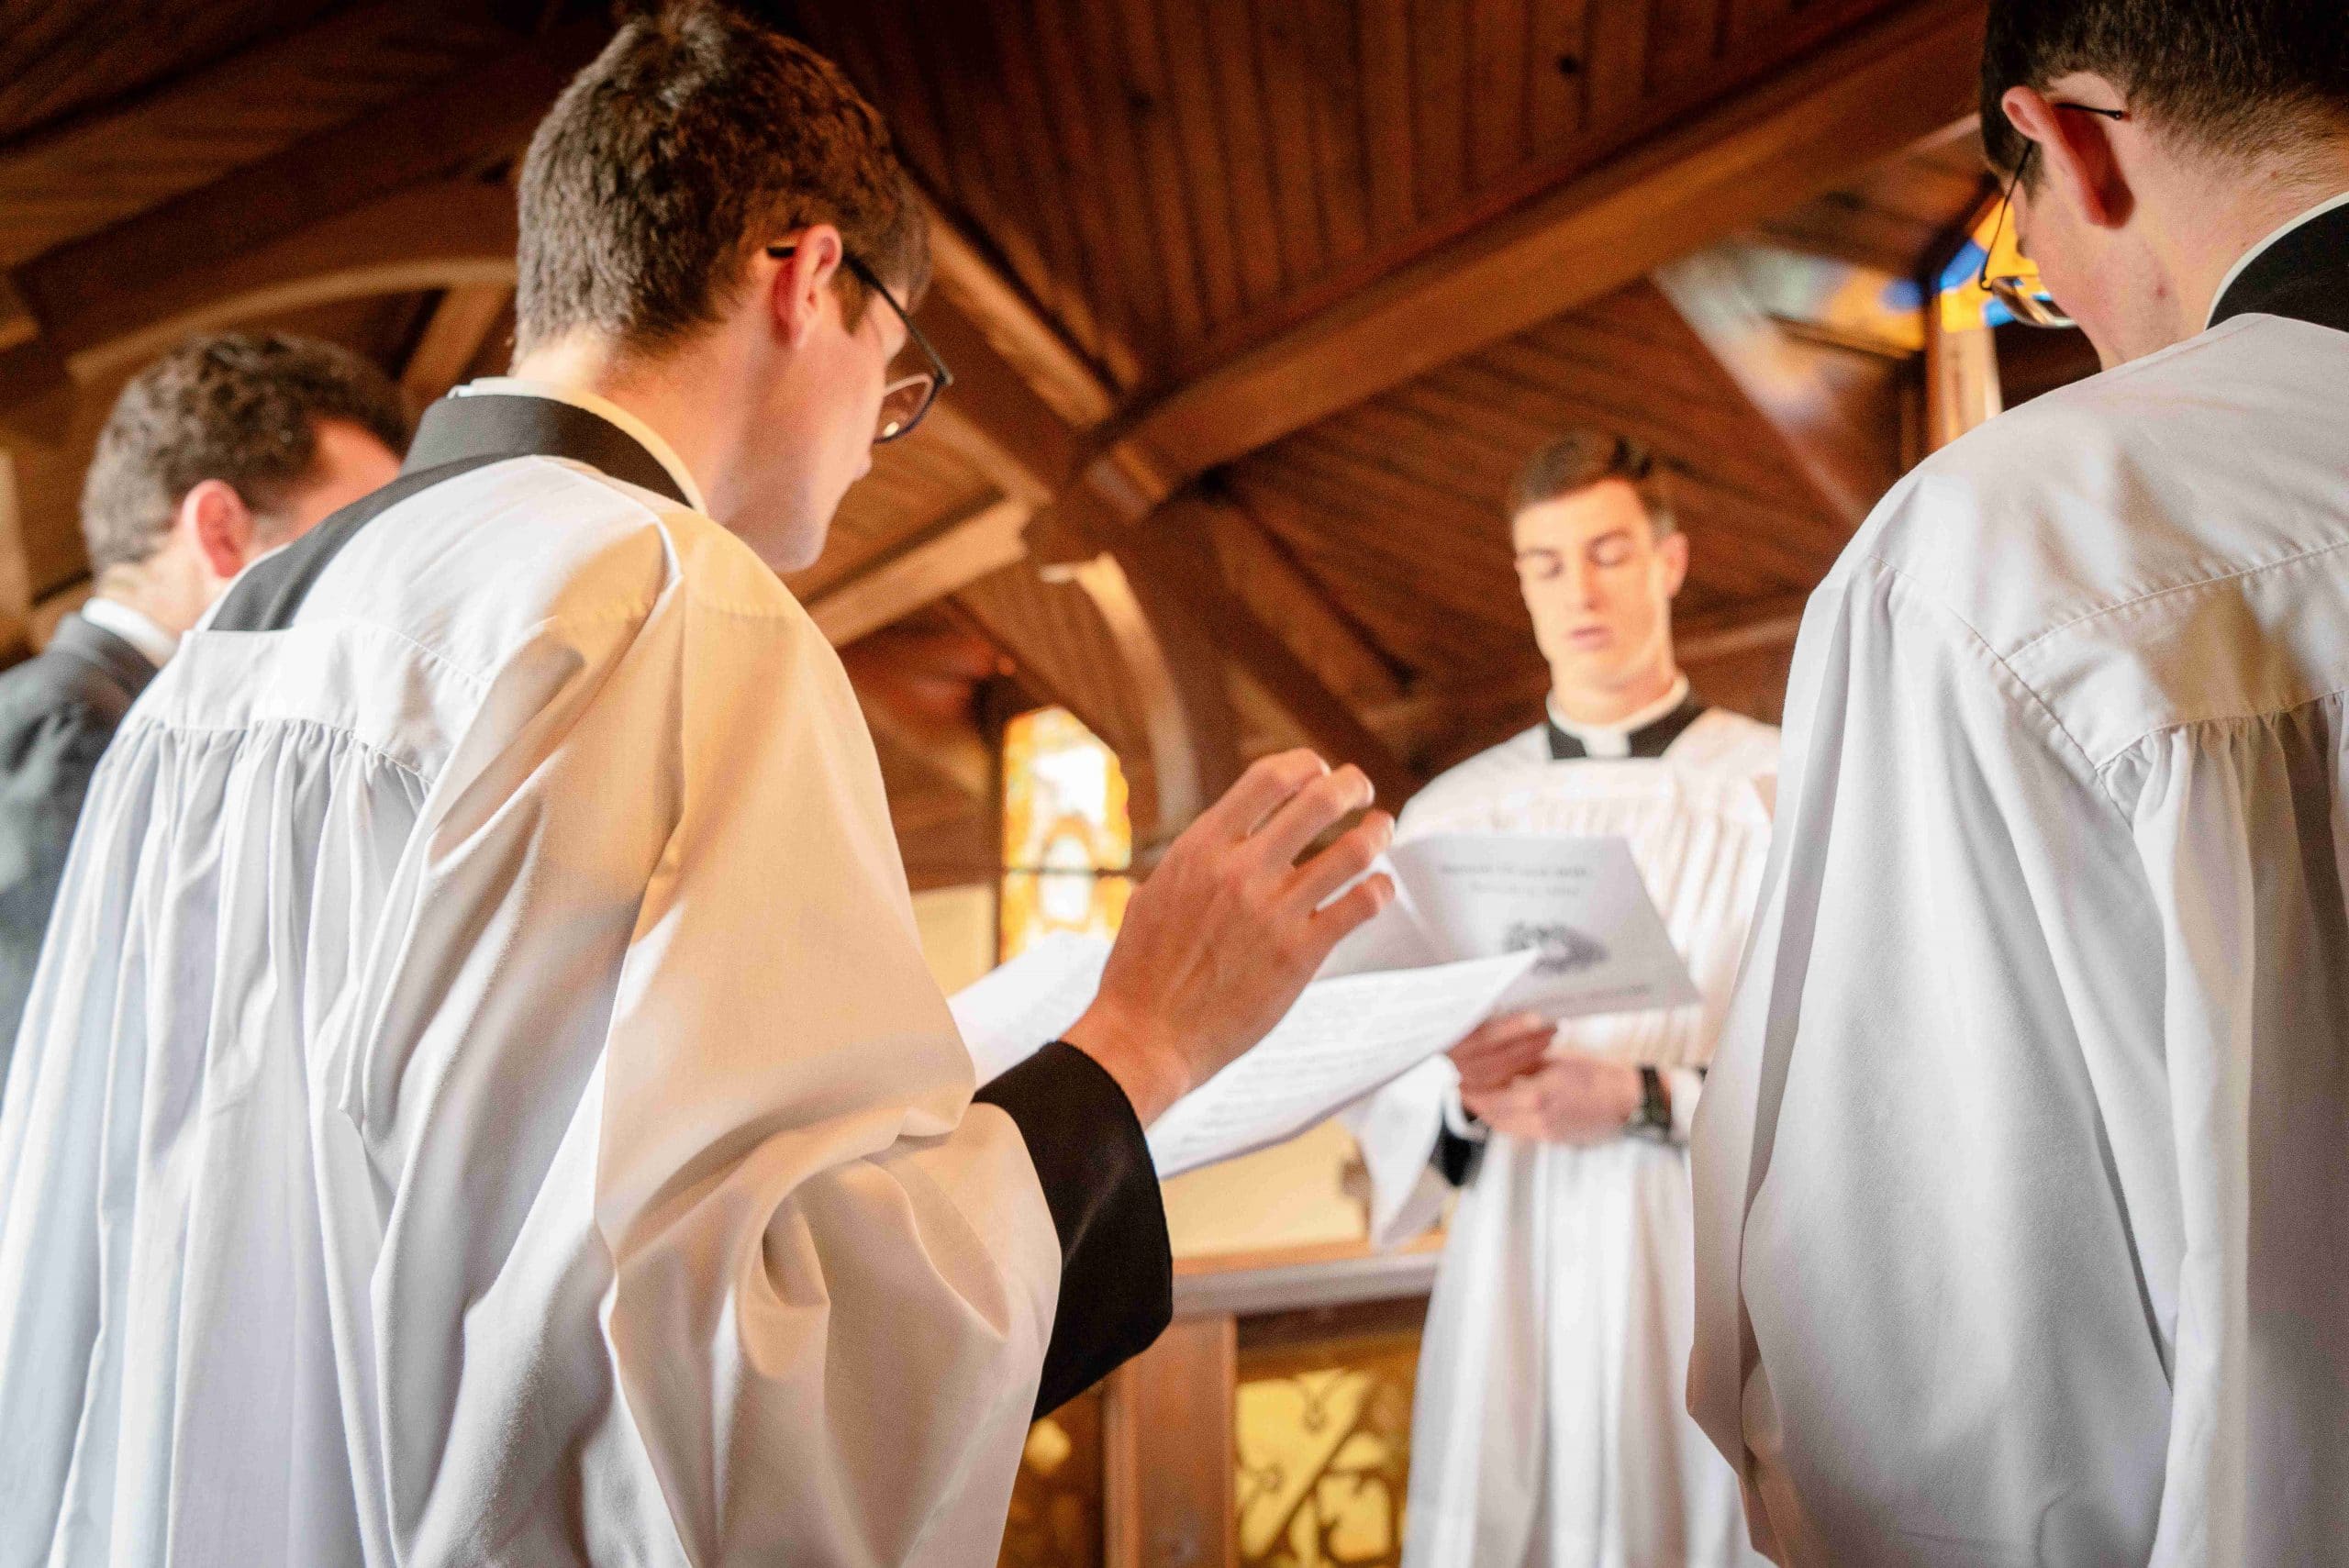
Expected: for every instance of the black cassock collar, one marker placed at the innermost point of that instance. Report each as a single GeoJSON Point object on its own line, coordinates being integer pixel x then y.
{"type": "Point", "coordinates": [1649, 740]}
{"type": "Point", "coordinates": [456, 436]}
{"type": "Point", "coordinates": [2303, 275]}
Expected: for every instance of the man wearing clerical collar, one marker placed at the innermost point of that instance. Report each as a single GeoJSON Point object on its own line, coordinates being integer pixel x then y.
{"type": "Point", "coordinates": [228, 445]}
{"type": "Point", "coordinates": [2022, 1179]}
{"type": "Point", "coordinates": [1549, 1420]}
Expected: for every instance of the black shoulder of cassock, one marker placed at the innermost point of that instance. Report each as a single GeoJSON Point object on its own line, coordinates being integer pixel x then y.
{"type": "Point", "coordinates": [1117, 1266]}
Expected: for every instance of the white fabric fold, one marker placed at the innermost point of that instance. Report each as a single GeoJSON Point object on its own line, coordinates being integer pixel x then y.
{"type": "Point", "coordinates": [483, 1100]}
{"type": "Point", "coordinates": [1549, 1424]}
{"type": "Point", "coordinates": [2023, 1169]}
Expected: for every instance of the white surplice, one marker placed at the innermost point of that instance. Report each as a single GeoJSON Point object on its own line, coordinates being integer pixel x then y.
{"type": "Point", "coordinates": [483, 1100]}
{"type": "Point", "coordinates": [1549, 1429]}
{"type": "Point", "coordinates": [2023, 1170]}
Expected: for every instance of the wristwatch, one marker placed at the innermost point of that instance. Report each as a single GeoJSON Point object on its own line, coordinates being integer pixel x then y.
{"type": "Point", "coordinates": [1654, 1118]}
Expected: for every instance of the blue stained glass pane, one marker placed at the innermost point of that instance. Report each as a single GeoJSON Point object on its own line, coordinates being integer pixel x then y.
{"type": "Point", "coordinates": [1963, 267]}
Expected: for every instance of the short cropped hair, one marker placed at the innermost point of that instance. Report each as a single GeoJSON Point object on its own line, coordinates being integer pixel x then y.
{"type": "Point", "coordinates": [697, 137]}
{"type": "Point", "coordinates": [2237, 77]}
{"type": "Point", "coordinates": [1573, 462]}
{"type": "Point", "coordinates": [241, 407]}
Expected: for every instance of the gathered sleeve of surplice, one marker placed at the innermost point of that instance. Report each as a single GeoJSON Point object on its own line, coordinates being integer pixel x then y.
{"type": "Point", "coordinates": [2241, 826]}
{"type": "Point", "coordinates": [1921, 1332]}
{"type": "Point", "coordinates": [811, 1286]}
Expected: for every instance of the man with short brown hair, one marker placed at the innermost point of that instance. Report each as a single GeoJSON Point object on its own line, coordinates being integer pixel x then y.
{"type": "Point", "coordinates": [2023, 1175]}
{"type": "Point", "coordinates": [483, 1100]}
{"type": "Point", "coordinates": [224, 448]}
{"type": "Point", "coordinates": [1548, 1424]}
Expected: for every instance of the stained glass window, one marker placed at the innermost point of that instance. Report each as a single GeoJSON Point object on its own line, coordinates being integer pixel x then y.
{"type": "Point", "coordinates": [1964, 302]}
{"type": "Point", "coordinates": [1067, 841]}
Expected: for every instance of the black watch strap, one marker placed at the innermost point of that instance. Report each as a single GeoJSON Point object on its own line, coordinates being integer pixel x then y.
{"type": "Point", "coordinates": [1654, 1118]}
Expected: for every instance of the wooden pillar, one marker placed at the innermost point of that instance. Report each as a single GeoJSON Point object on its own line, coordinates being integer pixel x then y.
{"type": "Point", "coordinates": [1961, 380]}
{"type": "Point", "coordinates": [1168, 1467]}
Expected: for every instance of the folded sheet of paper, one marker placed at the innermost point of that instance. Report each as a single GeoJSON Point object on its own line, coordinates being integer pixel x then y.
{"type": "Point", "coordinates": [1345, 1037]}
{"type": "Point", "coordinates": [1481, 924]}
{"type": "Point", "coordinates": [1578, 903]}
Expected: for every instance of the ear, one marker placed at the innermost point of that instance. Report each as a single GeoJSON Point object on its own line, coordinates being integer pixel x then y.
{"type": "Point", "coordinates": [801, 288]}
{"type": "Point", "coordinates": [2077, 162]}
{"type": "Point", "coordinates": [220, 526]}
{"type": "Point", "coordinates": [1673, 550]}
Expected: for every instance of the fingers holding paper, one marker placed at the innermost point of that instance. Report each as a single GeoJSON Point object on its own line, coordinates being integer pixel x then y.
{"type": "Point", "coordinates": [1501, 1050]}
{"type": "Point", "coordinates": [1573, 1097]}
{"type": "Point", "coordinates": [1218, 944]}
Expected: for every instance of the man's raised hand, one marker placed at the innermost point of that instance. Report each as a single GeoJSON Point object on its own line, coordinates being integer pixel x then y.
{"type": "Point", "coordinates": [1230, 926]}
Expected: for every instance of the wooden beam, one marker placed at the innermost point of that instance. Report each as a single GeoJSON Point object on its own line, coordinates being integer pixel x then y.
{"type": "Point", "coordinates": [1013, 325]}
{"type": "Point", "coordinates": [100, 168]}
{"type": "Point", "coordinates": [481, 115]}
{"type": "Point", "coordinates": [1171, 1504]}
{"type": "Point", "coordinates": [919, 693]}
{"type": "Point", "coordinates": [1832, 450]}
{"type": "Point", "coordinates": [956, 753]}
{"type": "Point", "coordinates": [1276, 591]}
{"type": "Point", "coordinates": [15, 578]}
{"type": "Point", "coordinates": [992, 417]}
{"type": "Point", "coordinates": [1960, 377]}
{"type": "Point", "coordinates": [1177, 560]}
{"type": "Point", "coordinates": [454, 338]}
{"type": "Point", "coordinates": [454, 234]}
{"type": "Point", "coordinates": [943, 563]}
{"type": "Point", "coordinates": [1861, 98]}
{"type": "Point", "coordinates": [1171, 664]}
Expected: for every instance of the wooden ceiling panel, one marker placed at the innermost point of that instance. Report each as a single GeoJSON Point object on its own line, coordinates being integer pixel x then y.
{"type": "Point", "coordinates": [74, 181]}
{"type": "Point", "coordinates": [1396, 508]}
{"type": "Point", "coordinates": [1894, 214]}
{"type": "Point", "coordinates": [59, 57]}
{"type": "Point", "coordinates": [915, 483]}
{"type": "Point", "coordinates": [1173, 181]}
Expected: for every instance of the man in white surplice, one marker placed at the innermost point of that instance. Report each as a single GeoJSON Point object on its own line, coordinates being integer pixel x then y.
{"type": "Point", "coordinates": [2023, 1172]}
{"type": "Point", "coordinates": [482, 1100]}
{"type": "Point", "coordinates": [1549, 1428]}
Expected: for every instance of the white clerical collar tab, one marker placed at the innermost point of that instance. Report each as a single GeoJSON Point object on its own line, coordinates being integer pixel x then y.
{"type": "Point", "coordinates": [1608, 740]}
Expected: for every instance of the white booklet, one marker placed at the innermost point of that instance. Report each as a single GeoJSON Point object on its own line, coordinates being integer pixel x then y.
{"type": "Point", "coordinates": [1578, 905]}
{"type": "Point", "coordinates": [1481, 924]}
{"type": "Point", "coordinates": [1345, 1036]}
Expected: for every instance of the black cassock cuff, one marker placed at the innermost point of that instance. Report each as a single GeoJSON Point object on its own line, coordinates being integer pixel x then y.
{"type": "Point", "coordinates": [1117, 1266]}
{"type": "Point", "coordinates": [1456, 1159]}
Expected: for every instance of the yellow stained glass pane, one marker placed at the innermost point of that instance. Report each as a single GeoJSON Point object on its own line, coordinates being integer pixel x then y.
{"type": "Point", "coordinates": [1067, 838]}
{"type": "Point", "coordinates": [1965, 305]}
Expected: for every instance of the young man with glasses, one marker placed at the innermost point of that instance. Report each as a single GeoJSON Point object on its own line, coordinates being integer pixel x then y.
{"type": "Point", "coordinates": [1549, 1424]}
{"type": "Point", "coordinates": [2023, 1174]}
{"type": "Point", "coordinates": [483, 1100]}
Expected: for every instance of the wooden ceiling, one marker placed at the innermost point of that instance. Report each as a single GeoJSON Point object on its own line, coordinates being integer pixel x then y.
{"type": "Point", "coordinates": [1174, 179]}
{"type": "Point", "coordinates": [1254, 307]}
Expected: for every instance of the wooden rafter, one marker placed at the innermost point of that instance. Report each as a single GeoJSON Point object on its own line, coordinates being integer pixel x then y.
{"type": "Point", "coordinates": [1180, 561]}
{"type": "Point", "coordinates": [91, 173]}
{"type": "Point", "coordinates": [1830, 441]}
{"type": "Point", "coordinates": [453, 234]}
{"type": "Point", "coordinates": [76, 292]}
{"type": "Point", "coordinates": [943, 563]}
{"type": "Point", "coordinates": [453, 339]}
{"type": "Point", "coordinates": [1856, 101]}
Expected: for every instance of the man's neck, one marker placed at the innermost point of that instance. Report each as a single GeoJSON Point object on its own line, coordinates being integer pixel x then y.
{"type": "Point", "coordinates": [1585, 708]}
{"type": "Point", "coordinates": [671, 397]}
{"type": "Point", "coordinates": [174, 610]}
{"type": "Point", "coordinates": [2229, 213]}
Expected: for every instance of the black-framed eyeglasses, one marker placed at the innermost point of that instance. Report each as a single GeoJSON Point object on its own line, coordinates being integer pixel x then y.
{"type": "Point", "coordinates": [2025, 297]}
{"type": "Point", "coordinates": [907, 397]}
